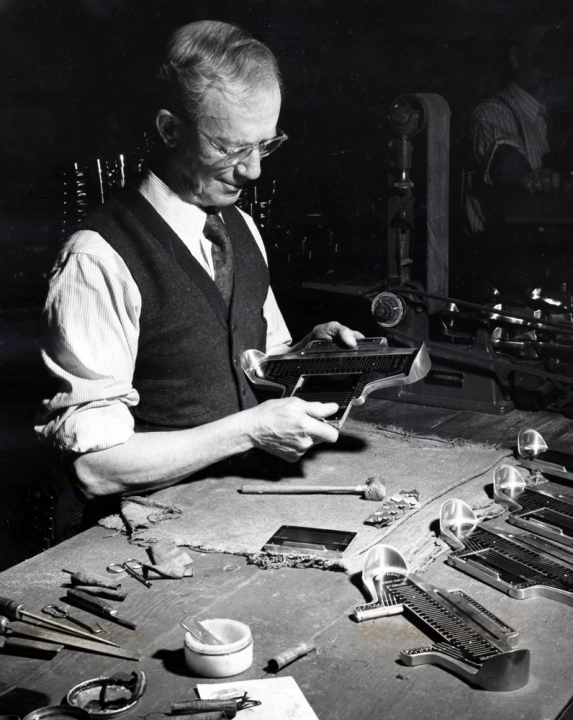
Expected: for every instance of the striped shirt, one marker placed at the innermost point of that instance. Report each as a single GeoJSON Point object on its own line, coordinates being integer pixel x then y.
{"type": "Point", "coordinates": [93, 310]}
{"type": "Point", "coordinates": [514, 118]}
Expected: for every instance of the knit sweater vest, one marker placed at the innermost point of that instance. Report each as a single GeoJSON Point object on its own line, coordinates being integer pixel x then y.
{"type": "Point", "coordinates": [187, 370]}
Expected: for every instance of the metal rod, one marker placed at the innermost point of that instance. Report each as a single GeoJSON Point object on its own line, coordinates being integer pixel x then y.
{"type": "Point", "coordinates": [65, 628]}
{"type": "Point", "coordinates": [565, 328]}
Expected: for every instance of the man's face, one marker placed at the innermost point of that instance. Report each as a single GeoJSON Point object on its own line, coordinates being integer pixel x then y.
{"type": "Point", "coordinates": [204, 178]}
{"type": "Point", "coordinates": [528, 64]}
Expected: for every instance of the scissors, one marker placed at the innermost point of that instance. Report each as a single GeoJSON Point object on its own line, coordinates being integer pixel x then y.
{"type": "Point", "coordinates": [131, 567]}
{"type": "Point", "coordinates": [59, 611]}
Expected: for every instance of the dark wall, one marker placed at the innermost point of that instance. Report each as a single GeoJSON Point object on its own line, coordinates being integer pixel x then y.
{"type": "Point", "coordinates": [75, 84]}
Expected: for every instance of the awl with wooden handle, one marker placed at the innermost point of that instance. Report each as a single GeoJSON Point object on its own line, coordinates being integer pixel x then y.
{"type": "Point", "coordinates": [373, 489]}
{"type": "Point", "coordinates": [97, 607]}
{"type": "Point", "coordinates": [75, 643]}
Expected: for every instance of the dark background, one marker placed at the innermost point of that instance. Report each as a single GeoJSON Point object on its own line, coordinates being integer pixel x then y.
{"type": "Point", "coordinates": [75, 86]}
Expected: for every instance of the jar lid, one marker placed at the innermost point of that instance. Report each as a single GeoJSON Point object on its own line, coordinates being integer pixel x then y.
{"type": "Point", "coordinates": [58, 712]}
{"type": "Point", "coordinates": [234, 635]}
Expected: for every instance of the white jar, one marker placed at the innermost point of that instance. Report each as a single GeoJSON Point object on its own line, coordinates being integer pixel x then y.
{"type": "Point", "coordinates": [234, 656]}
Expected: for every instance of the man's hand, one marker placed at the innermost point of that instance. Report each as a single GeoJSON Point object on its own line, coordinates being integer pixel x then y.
{"type": "Point", "coordinates": [289, 427]}
{"type": "Point", "coordinates": [338, 333]}
{"type": "Point", "coordinates": [543, 181]}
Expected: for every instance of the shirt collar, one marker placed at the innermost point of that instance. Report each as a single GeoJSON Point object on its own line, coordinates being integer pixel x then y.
{"type": "Point", "coordinates": [530, 107]}
{"type": "Point", "coordinates": [185, 219]}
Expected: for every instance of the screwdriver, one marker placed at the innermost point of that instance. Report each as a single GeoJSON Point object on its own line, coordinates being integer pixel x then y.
{"type": "Point", "coordinates": [96, 606]}
{"type": "Point", "coordinates": [15, 611]}
{"type": "Point", "coordinates": [54, 637]}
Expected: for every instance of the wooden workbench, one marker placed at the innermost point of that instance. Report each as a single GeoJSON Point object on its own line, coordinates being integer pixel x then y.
{"type": "Point", "coordinates": [355, 674]}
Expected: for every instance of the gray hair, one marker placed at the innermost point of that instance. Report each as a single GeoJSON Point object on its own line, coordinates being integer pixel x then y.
{"type": "Point", "coordinates": [211, 54]}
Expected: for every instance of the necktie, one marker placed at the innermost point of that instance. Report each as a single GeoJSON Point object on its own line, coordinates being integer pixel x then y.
{"type": "Point", "coordinates": [217, 233]}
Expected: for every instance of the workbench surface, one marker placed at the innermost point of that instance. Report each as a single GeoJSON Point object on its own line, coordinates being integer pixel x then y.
{"type": "Point", "coordinates": [355, 675]}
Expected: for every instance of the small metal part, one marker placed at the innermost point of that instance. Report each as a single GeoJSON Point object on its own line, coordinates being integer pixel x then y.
{"type": "Point", "coordinates": [512, 563]}
{"type": "Point", "coordinates": [131, 567]}
{"type": "Point", "coordinates": [59, 611]}
{"type": "Point", "coordinates": [388, 309]}
{"type": "Point", "coordinates": [393, 508]}
{"type": "Point", "coordinates": [295, 540]}
{"type": "Point", "coordinates": [533, 508]}
{"type": "Point", "coordinates": [472, 642]}
{"type": "Point", "coordinates": [530, 444]}
{"type": "Point", "coordinates": [534, 454]}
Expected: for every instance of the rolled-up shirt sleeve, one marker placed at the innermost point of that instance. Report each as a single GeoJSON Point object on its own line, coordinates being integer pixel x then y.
{"type": "Point", "coordinates": [92, 312]}
{"type": "Point", "coordinates": [493, 125]}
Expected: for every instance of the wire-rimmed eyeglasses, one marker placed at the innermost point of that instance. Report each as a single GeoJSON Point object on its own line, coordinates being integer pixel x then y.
{"type": "Point", "coordinates": [234, 155]}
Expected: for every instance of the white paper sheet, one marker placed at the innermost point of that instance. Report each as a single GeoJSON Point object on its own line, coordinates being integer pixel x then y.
{"type": "Point", "coordinates": [281, 698]}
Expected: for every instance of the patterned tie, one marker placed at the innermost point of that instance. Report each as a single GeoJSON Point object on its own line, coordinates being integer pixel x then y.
{"type": "Point", "coordinates": [217, 233]}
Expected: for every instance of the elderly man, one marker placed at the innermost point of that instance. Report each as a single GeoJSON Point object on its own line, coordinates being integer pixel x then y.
{"type": "Point", "coordinates": [153, 301]}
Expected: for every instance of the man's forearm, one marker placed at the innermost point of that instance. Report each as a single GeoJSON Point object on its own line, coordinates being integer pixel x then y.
{"type": "Point", "coordinates": [508, 167]}
{"type": "Point", "coordinates": [154, 460]}
{"type": "Point", "coordinates": [286, 428]}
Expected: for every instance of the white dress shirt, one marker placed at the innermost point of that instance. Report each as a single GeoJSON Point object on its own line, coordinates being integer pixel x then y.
{"type": "Point", "coordinates": [494, 123]}
{"type": "Point", "coordinates": [93, 309]}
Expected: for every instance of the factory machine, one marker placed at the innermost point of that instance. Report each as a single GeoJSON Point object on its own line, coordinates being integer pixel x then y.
{"type": "Point", "coordinates": [507, 350]}
{"type": "Point", "coordinates": [514, 347]}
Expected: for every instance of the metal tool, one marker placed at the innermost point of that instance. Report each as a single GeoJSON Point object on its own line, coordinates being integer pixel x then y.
{"type": "Point", "coordinates": [374, 489]}
{"type": "Point", "coordinates": [324, 371]}
{"type": "Point", "coordinates": [200, 632]}
{"type": "Point", "coordinates": [96, 606]}
{"type": "Point", "coordinates": [59, 611]}
{"type": "Point", "coordinates": [229, 705]}
{"type": "Point", "coordinates": [30, 648]}
{"type": "Point", "coordinates": [297, 540]}
{"type": "Point", "coordinates": [534, 508]}
{"type": "Point", "coordinates": [473, 643]}
{"type": "Point", "coordinates": [15, 611]}
{"type": "Point", "coordinates": [8, 629]}
{"type": "Point", "coordinates": [518, 565]}
{"type": "Point", "coordinates": [131, 567]}
{"type": "Point", "coordinates": [534, 454]}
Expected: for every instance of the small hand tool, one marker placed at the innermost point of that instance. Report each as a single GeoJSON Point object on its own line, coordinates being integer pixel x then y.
{"type": "Point", "coordinates": [31, 648]}
{"type": "Point", "coordinates": [131, 567]}
{"type": "Point", "coordinates": [96, 606]}
{"type": "Point", "coordinates": [103, 593]}
{"type": "Point", "coordinates": [59, 611]}
{"type": "Point", "coordinates": [200, 632]}
{"type": "Point", "coordinates": [14, 611]}
{"type": "Point", "coordinates": [6, 628]}
{"type": "Point", "coordinates": [229, 705]}
{"type": "Point", "coordinates": [82, 577]}
{"type": "Point", "coordinates": [374, 489]}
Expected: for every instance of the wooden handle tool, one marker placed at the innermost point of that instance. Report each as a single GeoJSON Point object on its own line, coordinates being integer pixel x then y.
{"type": "Point", "coordinates": [374, 489]}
